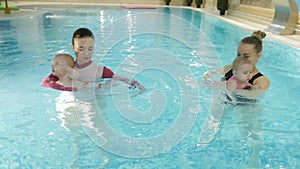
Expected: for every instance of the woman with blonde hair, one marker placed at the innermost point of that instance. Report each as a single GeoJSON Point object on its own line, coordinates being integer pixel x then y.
{"type": "Point", "coordinates": [249, 48]}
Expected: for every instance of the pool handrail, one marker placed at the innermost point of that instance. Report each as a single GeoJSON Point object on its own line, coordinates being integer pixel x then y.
{"type": "Point", "coordinates": [285, 17]}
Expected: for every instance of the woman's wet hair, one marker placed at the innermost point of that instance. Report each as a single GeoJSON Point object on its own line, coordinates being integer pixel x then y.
{"type": "Point", "coordinates": [82, 33]}
{"type": "Point", "coordinates": [255, 39]}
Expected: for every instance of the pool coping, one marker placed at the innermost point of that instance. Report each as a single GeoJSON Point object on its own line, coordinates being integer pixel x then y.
{"type": "Point", "coordinates": [291, 40]}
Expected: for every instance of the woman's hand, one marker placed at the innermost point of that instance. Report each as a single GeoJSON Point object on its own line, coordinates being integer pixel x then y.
{"type": "Point", "coordinates": [132, 83]}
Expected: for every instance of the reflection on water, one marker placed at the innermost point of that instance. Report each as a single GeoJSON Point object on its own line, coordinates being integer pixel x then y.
{"type": "Point", "coordinates": [247, 119]}
{"type": "Point", "coordinates": [249, 122]}
{"type": "Point", "coordinates": [77, 116]}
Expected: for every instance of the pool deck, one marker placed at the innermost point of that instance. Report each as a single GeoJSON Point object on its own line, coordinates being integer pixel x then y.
{"type": "Point", "coordinates": [246, 22]}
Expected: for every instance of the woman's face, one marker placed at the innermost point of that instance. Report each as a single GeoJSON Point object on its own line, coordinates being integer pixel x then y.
{"type": "Point", "coordinates": [84, 49]}
{"type": "Point", "coordinates": [248, 51]}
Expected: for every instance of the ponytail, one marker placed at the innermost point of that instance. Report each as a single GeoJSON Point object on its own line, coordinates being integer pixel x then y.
{"type": "Point", "coordinates": [259, 34]}
{"type": "Point", "coordinates": [255, 39]}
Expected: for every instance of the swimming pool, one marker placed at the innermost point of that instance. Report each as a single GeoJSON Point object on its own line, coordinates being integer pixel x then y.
{"type": "Point", "coordinates": [167, 50]}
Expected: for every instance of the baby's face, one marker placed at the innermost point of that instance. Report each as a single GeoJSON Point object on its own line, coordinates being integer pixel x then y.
{"type": "Point", "coordinates": [244, 72]}
{"type": "Point", "coordinates": [59, 66]}
{"type": "Point", "coordinates": [84, 49]}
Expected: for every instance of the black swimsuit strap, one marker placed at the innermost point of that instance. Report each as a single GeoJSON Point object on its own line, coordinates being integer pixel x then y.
{"type": "Point", "coordinates": [257, 75]}
{"type": "Point", "coordinates": [229, 74]}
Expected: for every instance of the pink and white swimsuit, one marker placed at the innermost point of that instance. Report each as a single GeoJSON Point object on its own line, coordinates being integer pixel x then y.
{"type": "Point", "coordinates": [239, 85]}
{"type": "Point", "coordinates": [51, 82]}
{"type": "Point", "coordinates": [90, 72]}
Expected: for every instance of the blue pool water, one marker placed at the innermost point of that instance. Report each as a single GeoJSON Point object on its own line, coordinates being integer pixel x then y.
{"type": "Point", "coordinates": [167, 50]}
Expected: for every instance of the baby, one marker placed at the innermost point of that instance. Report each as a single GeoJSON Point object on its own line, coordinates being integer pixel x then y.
{"type": "Point", "coordinates": [63, 76]}
{"type": "Point", "coordinates": [62, 67]}
{"type": "Point", "coordinates": [242, 73]}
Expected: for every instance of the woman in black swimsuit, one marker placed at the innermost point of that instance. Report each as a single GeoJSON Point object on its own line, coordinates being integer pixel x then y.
{"type": "Point", "coordinates": [251, 49]}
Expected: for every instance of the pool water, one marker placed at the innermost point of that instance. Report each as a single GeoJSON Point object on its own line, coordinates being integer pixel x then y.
{"type": "Point", "coordinates": [167, 50]}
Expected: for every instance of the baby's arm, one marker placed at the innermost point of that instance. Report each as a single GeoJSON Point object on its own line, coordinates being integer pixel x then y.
{"type": "Point", "coordinates": [48, 82]}
{"type": "Point", "coordinates": [231, 85]}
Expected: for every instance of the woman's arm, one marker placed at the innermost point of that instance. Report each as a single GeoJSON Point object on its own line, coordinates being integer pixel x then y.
{"type": "Point", "coordinates": [207, 76]}
{"type": "Point", "coordinates": [231, 85]}
{"type": "Point", "coordinates": [262, 83]}
{"type": "Point", "coordinates": [249, 94]}
{"type": "Point", "coordinates": [257, 90]}
{"type": "Point", "coordinates": [260, 86]}
{"type": "Point", "coordinates": [132, 83]}
{"type": "Point", "coordinates": [107, 73]}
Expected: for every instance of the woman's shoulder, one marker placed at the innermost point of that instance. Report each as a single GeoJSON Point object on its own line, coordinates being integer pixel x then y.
{"type": "Point", "coordinates": [262, 82]}
{"type": "Point", "coordinates": [227, 68]}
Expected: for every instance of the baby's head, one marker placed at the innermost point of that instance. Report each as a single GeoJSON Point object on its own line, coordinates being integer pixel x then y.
{"type": "Point", "coordinates": [242, 68]}
{"type": "Point", "coordinates": [60, 63]}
